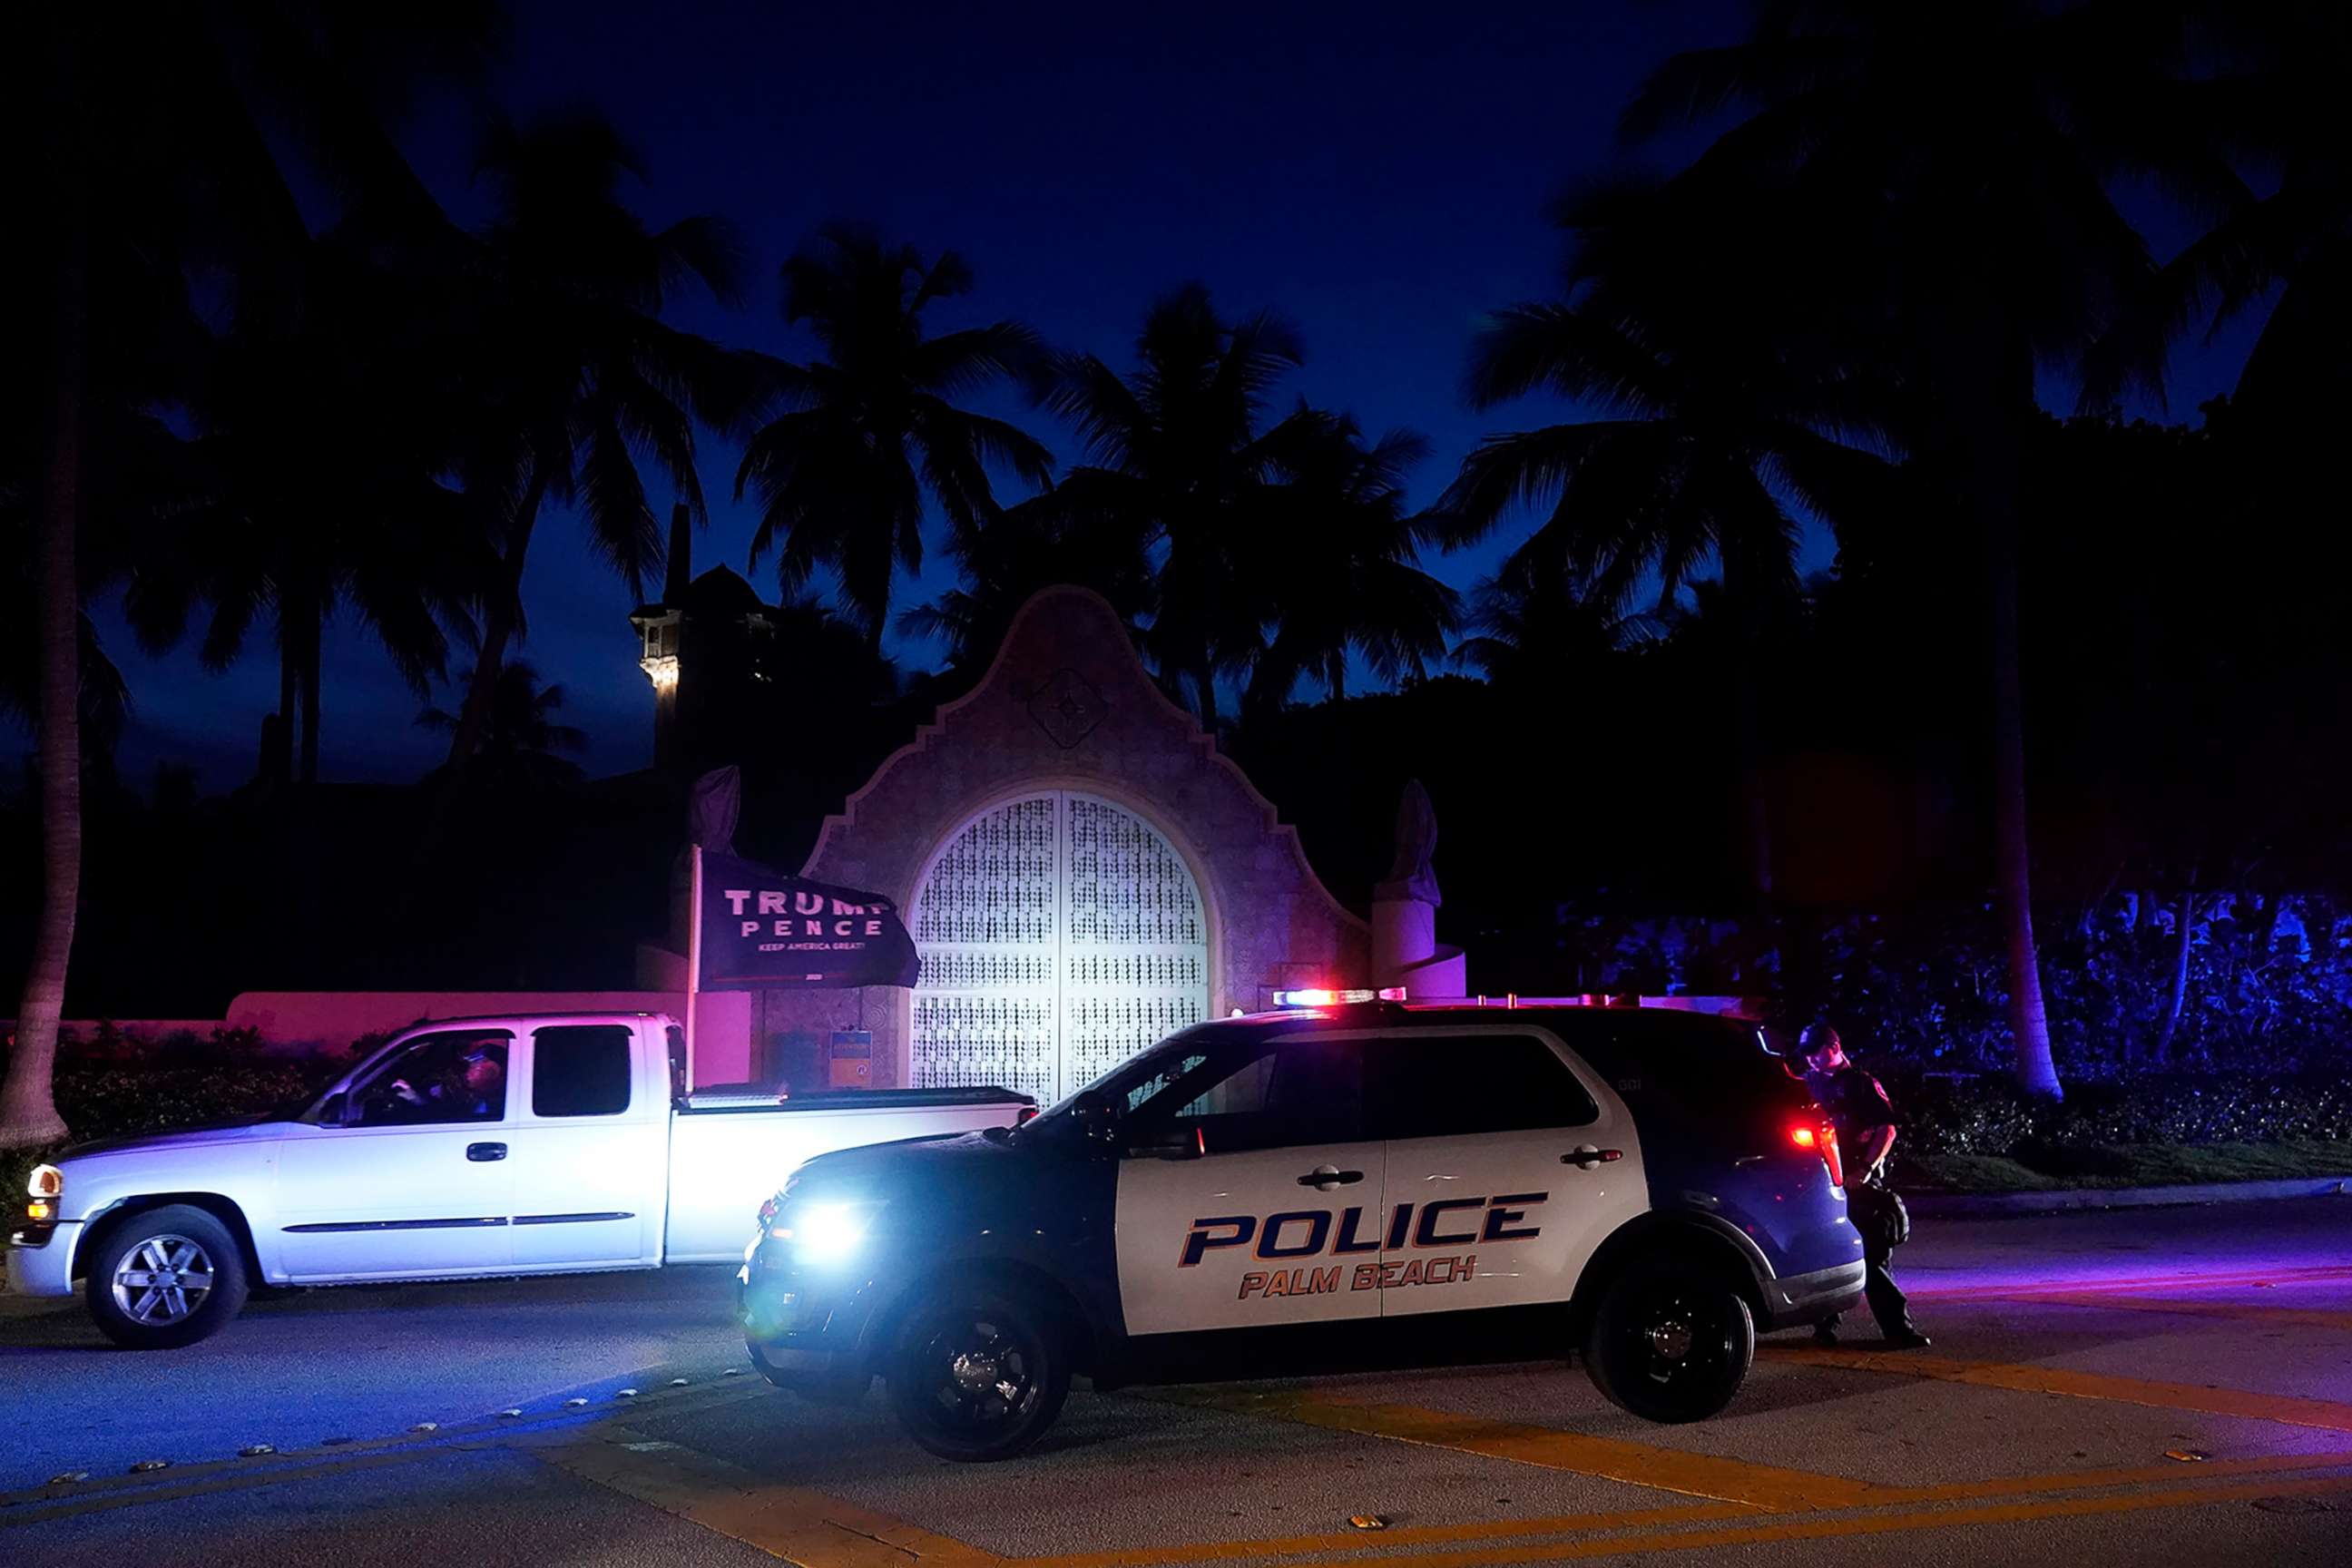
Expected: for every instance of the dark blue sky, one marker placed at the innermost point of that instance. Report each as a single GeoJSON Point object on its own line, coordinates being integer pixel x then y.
{"type": "Point", "coordinates": [1379, 171]}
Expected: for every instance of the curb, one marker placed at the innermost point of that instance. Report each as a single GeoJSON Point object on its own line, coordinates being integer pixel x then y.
{"type": "Point", "coordinates": [1975, 1205]}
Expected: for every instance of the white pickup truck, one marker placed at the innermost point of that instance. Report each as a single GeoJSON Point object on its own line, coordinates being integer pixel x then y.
{"type": "Point", "coordinates": [473, 1147]}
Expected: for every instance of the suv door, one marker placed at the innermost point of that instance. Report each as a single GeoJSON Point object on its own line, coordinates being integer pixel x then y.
{"type": "Point", "coordinates": [590, 1153]}
{"type": "Point", "coordinates": [1516, 1161]}
{"type": "Point", "coordinates": [1250, 1189]}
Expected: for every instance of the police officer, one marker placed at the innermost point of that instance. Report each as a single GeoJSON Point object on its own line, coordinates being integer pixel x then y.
{"type": "Point", "coordinates": [1864, 1119]}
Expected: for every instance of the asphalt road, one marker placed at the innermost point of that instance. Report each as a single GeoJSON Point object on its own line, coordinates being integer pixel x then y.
{"type": "Point", "coordinates": [2157, 1386]}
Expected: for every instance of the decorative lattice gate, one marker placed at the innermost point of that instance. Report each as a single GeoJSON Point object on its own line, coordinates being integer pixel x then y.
{"type": "Point", "coordinates": [1059, 935]}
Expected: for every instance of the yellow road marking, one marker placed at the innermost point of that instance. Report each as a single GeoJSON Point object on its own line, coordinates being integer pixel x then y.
{"type": "Point", "coordinates": [2248, 1312]}
{"type": "Point", "coordinates": [2292, 1409]}
{"type": "Point", "coordinates": [796, 1523]}
{"type": "Point", "coordinates": [2168, 1472]}
{"type": "Point", "coordinates": [1667, 1469]}
{"type": "Point", "coordinates": [1410, 1535]}
{"type": "Point", "coordinates": [1818, 1528]}
{"type": "Point", "coordinates": [2304, 1274]}
{"type": "Point", "coordinates": [1501, 1530]}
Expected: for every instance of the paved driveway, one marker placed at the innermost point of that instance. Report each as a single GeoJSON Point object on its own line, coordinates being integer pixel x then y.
{"type": "Point", "coordinates": [2157, 1386]}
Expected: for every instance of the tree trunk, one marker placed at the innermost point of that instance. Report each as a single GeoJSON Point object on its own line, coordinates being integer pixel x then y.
{"type": "Point", "coordinates": [311, 639]}
{"type": "Point", "coordinates": [1760, 954]}
{"type": "Point", "coordinates": [290, 685]}
{"type": "Point", "coordinates": [497, 627]}
{"type": "Point", "coordinates": [2029, 1024]}
{"type": "Point", "coordinates": [2180, 977]}
{"type": "Point", "coordinates": [28, 1112]}
{"type": "Point", "coordinates": [1982, 375]}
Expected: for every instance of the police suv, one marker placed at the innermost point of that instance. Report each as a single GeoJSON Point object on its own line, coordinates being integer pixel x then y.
{"type": "Point", "coordinates": [1355, 1180]}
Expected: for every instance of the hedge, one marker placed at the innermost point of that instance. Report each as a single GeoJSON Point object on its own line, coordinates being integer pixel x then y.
{"type": "Point", "coordinates": [1988, 1116]}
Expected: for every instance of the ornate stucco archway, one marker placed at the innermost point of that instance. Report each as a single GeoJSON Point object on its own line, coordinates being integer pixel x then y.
{"type": "Point", "coordinates": [1060, 934]}
{"type": "Point", "coordinates": [1067, 711]}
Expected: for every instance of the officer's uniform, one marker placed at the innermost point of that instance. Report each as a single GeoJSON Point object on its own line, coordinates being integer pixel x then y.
{"type": "Point", "coordinates": [1857, 1102]}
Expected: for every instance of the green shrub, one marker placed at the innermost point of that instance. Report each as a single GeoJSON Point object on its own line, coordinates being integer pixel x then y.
{"type": "Point", "coordinates": [1986, 1116]}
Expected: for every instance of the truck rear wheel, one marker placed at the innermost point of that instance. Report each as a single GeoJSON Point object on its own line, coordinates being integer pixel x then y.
{"type": "Point", "coordinates": [166, 1277]}
{"type": "Point", "coordinates": [1670, 1343]}
{"type": "Point", "coordinates": [979, 1375]}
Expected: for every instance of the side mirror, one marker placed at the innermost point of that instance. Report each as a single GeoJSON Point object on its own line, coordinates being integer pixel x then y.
{"type": "Point", "coordinates": [1095, 1115]}
{"type": "Point", "coordinates": [334, 1110]}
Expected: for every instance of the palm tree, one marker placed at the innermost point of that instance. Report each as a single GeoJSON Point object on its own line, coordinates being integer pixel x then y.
{"type": "Point", "coordinates": [521, 739]}
{"type": "Point", "coordinates": [1181, 459]}
{"type": "Point", "coordinates": [1938, 175]}
{"type": "Point", "coordinates": [1708, 420]}
{"type": "Point", "coordinates": [1333, 566]}
{"type": "Point", "coordinates": [580, 374]}
{"type": "Point", "coordinates": [868, 431]}
{"type": "Point", "coordinates": [2269, 98]}
{"type": "Point", "coordinates": [321, 442]}
{"type": "Point", "coordinates": [1540, 632]}
{"type": "Point", "coordinates": [1034, 545]}
{"type": "Point", "coordinates": [146, 120]}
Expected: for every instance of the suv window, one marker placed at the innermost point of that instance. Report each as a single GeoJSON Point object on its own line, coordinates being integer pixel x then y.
{"type": "Point", "coordinates": [579, 1069]}
{"type": "Point", "coordinates": [1266, 1095]}
{"type": "Point", "coordinates": [1703, 1077]}
{"type": "Point", "coordinates": [1448, 1085]}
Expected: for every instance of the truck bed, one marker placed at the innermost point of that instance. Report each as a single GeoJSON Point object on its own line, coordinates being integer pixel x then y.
{"type": "Point", "coordinates": [728, 1098]}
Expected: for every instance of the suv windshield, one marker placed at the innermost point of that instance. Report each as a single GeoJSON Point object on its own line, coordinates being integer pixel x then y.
{"type": "Point", "coordinates": [1136, 1079]}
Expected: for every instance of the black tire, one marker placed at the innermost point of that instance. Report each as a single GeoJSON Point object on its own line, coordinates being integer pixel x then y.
{"type": "Point", "coordinates": [1670, 1343]}
{"type": "Point", "coordinates": [166, 1277]}
{"type": "Point", "coordinates": [979, 1373]}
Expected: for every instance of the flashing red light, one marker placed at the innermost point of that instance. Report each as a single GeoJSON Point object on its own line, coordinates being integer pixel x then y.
{"type": "Point", "coordinates": [1820, 1140]}
{"type": "Point", "coordinates": [1322, 996]}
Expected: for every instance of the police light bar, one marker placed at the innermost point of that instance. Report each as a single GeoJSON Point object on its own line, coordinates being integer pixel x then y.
{"type": "Point", "coordinates": [1325, 998]}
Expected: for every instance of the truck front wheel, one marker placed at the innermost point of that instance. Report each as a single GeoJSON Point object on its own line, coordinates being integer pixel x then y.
{"type": "Point", "coordinates": [979, 1373]}
{"type": "Point", "coordinates": [1669, 1341]}
{"type": "Point", "coordinates": [166, 1277]}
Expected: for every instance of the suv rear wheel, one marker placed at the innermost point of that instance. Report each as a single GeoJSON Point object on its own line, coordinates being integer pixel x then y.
{"type": "Point", "coordinates": [1669, 1341]}
{"type": "Point", "coordinates": [979, 1373]}
{"type": "Point", "coordinates": [166, 1277]}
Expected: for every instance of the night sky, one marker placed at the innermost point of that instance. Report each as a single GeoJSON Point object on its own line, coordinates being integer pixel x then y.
{"type": "Point", "coordinates": [1377, 172]}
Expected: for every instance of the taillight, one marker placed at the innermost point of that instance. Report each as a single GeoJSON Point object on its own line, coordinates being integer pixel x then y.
{"type": "Point", "coordinates": [1820, 1140]}
{"type": "Point", "coordinates": [1023, 1117]}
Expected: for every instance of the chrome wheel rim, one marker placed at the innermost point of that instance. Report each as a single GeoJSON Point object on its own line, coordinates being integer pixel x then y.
{"type": "Point", "coordinates": [162, 1280]}
{"type": "Point", "coordinates": [979, 1375]}
{"type": "Point", "coordinates": [1678, 1340]}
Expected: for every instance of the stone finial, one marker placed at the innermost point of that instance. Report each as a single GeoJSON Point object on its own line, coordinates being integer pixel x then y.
{"type": "Point", "coordinates": [1409, 874]}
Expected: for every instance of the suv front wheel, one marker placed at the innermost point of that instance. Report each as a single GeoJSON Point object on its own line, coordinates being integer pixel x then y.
{"type": "Point", "coordinates": [979, 1373]}
{"type": "Point", "coordinates": [1669, 1341]}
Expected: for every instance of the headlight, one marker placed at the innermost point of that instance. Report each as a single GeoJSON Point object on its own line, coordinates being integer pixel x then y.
{"type": "Point", "coordinates": [47, 1182]}
{"type": "Point", "coordinates": [824, 1231]}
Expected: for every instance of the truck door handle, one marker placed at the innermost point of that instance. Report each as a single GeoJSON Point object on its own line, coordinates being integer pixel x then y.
{"type": "Point", "coordinates": [1323, 1178]}
{"type": "Point", "coordinates": [1585, 1156]}
{"type": "Point", "coordinates": [481, 1153]}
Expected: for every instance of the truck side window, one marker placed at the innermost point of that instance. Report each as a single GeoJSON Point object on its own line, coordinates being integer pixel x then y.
{"type": "Point", "coordinates": [435, 1080]}
{"type": "Point", "coordinates": [1452, 1086]}
{"type": "Point", "coordinates": [579, 1069]}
